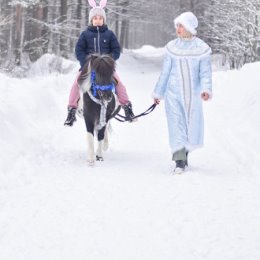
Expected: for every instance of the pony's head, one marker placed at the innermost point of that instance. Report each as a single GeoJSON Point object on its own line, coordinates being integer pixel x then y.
{"type": "Point", "coordinates": [102, 70]}
{"type": "Point", "coordinates": [99, 70]}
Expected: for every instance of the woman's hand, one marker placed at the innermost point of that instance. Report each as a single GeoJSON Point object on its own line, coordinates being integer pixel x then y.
{"type": "Point", "coordinates": [156, 101]}
{"type": "Point", "coordinates": [205, 96]}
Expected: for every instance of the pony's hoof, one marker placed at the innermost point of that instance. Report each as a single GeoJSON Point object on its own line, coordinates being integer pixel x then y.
{"type": "Point", "coordinates": [91, 163]}
{"type": "Point", "coordinates": [99, 158]}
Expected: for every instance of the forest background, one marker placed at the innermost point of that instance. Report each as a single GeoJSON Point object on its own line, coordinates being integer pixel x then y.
{"type": "Point", "coordinates": [31, 28]}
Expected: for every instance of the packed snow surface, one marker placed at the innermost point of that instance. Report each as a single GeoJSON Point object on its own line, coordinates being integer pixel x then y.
{"type": "Point", "coordinates": [129, 207]}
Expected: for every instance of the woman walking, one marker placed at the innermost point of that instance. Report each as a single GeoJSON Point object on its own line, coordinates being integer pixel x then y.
{"type": "Point", "coordinates": [185, 80]}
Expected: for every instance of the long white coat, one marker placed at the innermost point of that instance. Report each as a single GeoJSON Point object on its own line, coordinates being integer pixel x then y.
{"type": "Point", "coordinates": [185, 75]}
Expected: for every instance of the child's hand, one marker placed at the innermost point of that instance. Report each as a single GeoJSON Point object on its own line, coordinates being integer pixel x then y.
{"type": "Point", "coordinates": [156, 101]}
{"type": "Point", "coordinates": [205, 96]}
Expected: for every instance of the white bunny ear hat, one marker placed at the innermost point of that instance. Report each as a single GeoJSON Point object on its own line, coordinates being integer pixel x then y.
{"type": "Point", "coordinates": [97, 10]}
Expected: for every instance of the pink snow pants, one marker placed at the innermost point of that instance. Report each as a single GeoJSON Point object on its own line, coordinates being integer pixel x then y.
{"type": "Point", "coordinates": [120, 92]}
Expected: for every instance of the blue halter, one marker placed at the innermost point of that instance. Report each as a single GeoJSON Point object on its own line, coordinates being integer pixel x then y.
{"type": "Point", "coordinates": [96, 87]}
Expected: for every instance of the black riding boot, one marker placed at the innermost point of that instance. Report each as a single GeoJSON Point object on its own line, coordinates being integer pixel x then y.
{"type": "Point", "coordinates": [71, 118]}
{"type": "Point", "coordinates": [129, 112]}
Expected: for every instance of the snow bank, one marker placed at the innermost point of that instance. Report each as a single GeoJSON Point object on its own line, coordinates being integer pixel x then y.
{"type": "Point", "coordinates": [50, 63]}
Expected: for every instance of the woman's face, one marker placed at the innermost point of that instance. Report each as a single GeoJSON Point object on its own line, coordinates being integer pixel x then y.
{"type": "Point", "coordinates": [182, 32]}
{"type": "Point", "coordinates": [97, 20]}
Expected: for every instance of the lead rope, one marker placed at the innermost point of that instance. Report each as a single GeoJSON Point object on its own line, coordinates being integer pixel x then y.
{"type": "Point", "coordinates": [121, 118]}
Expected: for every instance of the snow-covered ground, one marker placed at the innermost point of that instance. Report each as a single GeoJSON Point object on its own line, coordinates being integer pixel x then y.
{"type": "Point", "coordinates": [129, 207]}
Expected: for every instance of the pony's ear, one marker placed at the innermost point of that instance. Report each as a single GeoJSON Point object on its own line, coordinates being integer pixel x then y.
{"type": "Point", "coordinates": [92, 3]}
{"type": "Point", "coordinates": [103, 3]}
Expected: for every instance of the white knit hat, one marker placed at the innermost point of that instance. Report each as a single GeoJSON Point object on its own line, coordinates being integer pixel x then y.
{"type": "Point", "coordinates": [188, 20]}
{"type": "Point", "coordinates": [97, 10]}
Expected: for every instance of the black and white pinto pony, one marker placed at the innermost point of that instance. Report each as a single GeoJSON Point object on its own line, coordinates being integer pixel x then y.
{"type": "Point", "coordinates": [99, 103]}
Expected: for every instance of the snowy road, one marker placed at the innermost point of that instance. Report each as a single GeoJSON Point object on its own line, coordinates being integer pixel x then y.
{"type": "Point", "coordinates": [53, 206]}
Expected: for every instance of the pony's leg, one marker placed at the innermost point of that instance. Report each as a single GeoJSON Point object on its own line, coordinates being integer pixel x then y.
{"type": "Point", "coordinates": [90, 146]}
{"type": "Point", "coordinates": [90, 141]}
{"type": "Point", "coordinates": [106, 143]}
{"type": "Point", "coordinates": [99, 152]}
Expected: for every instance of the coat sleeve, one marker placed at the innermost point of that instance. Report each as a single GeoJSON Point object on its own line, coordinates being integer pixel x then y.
{"type": "Point", "coordinates": [161, 84]}
{"type": "Point", "coordinates": [114, 46]}
{"type": "Point", "coordinates": [80, 49]}
{"type": "Point", "coordinates": [206, 75]}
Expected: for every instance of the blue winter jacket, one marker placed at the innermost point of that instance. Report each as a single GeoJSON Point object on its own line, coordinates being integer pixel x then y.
{"type": "Point", "coordinates": [97, 39]}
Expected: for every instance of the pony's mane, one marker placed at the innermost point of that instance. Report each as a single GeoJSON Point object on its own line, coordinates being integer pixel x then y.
{"type": "Point", "coordinates": [102, 65]}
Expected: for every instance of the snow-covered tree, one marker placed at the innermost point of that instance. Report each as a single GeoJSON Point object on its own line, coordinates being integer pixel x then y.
{"type": "Point", "coordinates": [30, 28]}
{"type": "Point", "coordinates": [232, 28]}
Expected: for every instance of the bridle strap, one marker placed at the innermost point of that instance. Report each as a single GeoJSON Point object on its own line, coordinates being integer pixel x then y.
{"type": "Point", "coordinates": [96, 87]}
